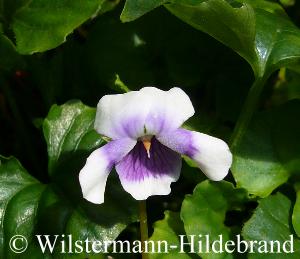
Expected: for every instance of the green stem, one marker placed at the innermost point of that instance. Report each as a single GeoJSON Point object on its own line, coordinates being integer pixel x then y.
{"type": "Point", "coordinates": [247, 112]}
{"type": "Point", "coordinates": [143, 226]}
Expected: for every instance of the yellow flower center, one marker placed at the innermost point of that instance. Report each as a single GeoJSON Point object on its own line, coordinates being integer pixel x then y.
{"type": "Point", "coordinates": [147, 143]}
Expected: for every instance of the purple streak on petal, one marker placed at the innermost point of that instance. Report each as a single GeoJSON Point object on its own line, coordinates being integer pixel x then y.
{"type": "Point", "coordinates": [93, 175]}
{"type": "Point", "coordinates": [129, 127]}
{"type": "Point", "coordinates": [180, 140]}
{"type": "Point", "coordinates": [156, 123]}
{"type": "Point", "coordinates": [115, 150]}
{"type": "Point", "coordinates": [136, 165]}
{"type": "Point", "coordinates": [134, 127]}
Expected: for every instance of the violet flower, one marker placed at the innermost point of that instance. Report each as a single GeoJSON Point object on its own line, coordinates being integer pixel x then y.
{"type": "Point", "coordinates": [147, 144]}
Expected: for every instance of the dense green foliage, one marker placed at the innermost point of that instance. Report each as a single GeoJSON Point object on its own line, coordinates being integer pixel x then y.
{"type": "Point", "coordinates": [238, 60]}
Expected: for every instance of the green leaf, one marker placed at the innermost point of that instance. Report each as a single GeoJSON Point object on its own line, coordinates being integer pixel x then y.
{"type": "Point", "coordinates": [277, 41]}
{"type": "Point", "coordinates": [269, 153]}
{"type": "Point", "coordinates": [296, 211]}
{"type": "Point", "coordinates": [287, 3]}
{"type": "Point", "coordinates": [19, 198]}
{"type": "Point", "coordinates": [169, 230]}
{"type": "Point", "coordinates": [41, 25]}
{"type": "Point", "coordinates": [270, 221]}
{"type": "Point", "coordinates": [8, 54]}
{"type": "Point", "coordinates": [84, 220]}
{"type": "Point", "coordinates": [267, 5]}
{"type": "Point", "coordinates": [69, 128]}
{"type": "Point", "coordinates": [203, 213]}
{"type": "Point", "coordinates": [258, 31]}
{"type": "Point", "coordinates": [28, 207]}
{"type": "Point", "coordinates": [134, 9]}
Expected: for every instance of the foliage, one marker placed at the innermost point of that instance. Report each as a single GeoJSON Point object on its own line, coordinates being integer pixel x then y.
{"type": "Point", "coordinates": [238, 60]}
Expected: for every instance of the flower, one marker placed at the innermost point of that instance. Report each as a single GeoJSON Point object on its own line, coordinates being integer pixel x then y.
{"type": "Point", "coordinates": [147, 144]}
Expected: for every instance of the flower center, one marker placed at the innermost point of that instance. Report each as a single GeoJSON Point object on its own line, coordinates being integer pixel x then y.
{"type": "Point", "coordinates": [147, 143]}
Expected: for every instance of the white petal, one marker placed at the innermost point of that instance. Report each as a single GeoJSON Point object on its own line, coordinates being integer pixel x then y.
{"type": "Point", "coordinates": [149, 109]}
{"type": "Point", "coordinates": [93, 175]}
{"type": "Point", "coordinates": [211, 154]}
{"type": "Point", "coordinates": [150, 186]}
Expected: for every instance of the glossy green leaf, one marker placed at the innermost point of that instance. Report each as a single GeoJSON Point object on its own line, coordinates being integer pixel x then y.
{"type": "Point", "coordinates": [134, 9]}
{"type": "Point", "coordinates": [169, 230]}
{"type": "Point", "coordinates": [203, 213]}
{"type": "Point", "coordinates": [277, 42]}
{"type": "Point", "coordinates": [270, 221]}
{"type": "Point", "coordinates": [41, 25]}
{"type": "Point", "coordinates": [255, 30]}
{"type": "Point", "coordinates": [269, 153]}
{"type": "Point", "coordinates": [28, 207]}
{"type": "Point", "coordinates": [69, 128]}
{"type": "Point", "coordinates": [19, 199]}
{"type": "Point", "coordinates": [269, 6]}
{"type": "Point", "coordinates": [85, 220]}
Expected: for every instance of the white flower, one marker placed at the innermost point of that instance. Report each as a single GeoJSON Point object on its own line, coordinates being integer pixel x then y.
{"type": "Point", "coordinates": [147, 144]}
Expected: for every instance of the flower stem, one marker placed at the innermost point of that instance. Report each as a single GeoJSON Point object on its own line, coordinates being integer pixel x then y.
{"type": "Point", "coordinates": [247, 112]}
{"type": "Point", "coordinates": [143, 226]}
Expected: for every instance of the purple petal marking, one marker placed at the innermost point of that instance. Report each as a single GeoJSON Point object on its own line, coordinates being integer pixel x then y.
{"type": "Point", "coordinates": [181, 141]}
{"type": "Point", "coordinates": [136, 166]}
{"type": "Point", "coordinates": [93, 175]}
{"type": "Point", "coordinates": [115, 150]}
{"type": "Point", "coordinates": [132, 127]}
{"type": "Point", "coordinates": [135, 127]}
{"type": "Point", "coordinates": [211, 154]}
{"type": "Point", "coordinates": [157, 122]}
